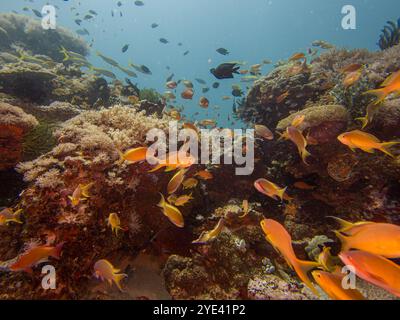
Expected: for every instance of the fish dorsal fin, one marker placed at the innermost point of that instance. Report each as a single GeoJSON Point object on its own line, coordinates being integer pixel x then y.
{"type": "Point", "coordinates": [369, 136]}
{"type": "Point", "coordinates": [394, 77]}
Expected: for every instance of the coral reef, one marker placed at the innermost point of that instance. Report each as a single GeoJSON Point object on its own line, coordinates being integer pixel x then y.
{"type": "Point", "coordinates": [14, 124]}
{"type": "Point", "coordinates": [69, 128]}
{"type": "Point", "coordinates": [29, 34]}
{"type": "Point", "coordinates": [87, 152]}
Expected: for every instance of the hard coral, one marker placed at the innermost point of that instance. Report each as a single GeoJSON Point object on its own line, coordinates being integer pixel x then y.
{"type": "Point", "coordinates": [14, 124]}
{"type": "Point", "coordinates": [87, 152]}
{"type": "Point", "coordinates": [28, 33]}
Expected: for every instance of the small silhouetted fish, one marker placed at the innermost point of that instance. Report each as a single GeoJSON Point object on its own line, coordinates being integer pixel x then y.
{"type": "Point", "coordinates": [120, 13]}
{"type": "Point", "coordinates": [237, 92]}
{"type": "Point", "coordinates": [205, 90]}
{"type": "Point", "coordinates": [82, 32]}
{"type": "Point", "coordinates": [93, 12]}
{"type": "Point", "coordinates": [170, 77]}
{"type": "Point", "coordinates": [139, 3]}
{"type": "Point", "coordinates": [215, 85]}
{"type": "Point", "coordinates": [88, 17]}
{"type": "Point", "coordinates": [186, 53]}
{"type": "Point", "coordinates": [163, 40]}
{"type": "Point", "coordinates": [37, 13]}
{"type": "Point", "coordinates": [225, 70]}
{"type": "Point", "coordinates": [201, 81]}
{"type": "Point", "coordinates": [25, 9]}
{"type": "Point", "coordinates": [119, 3]}
{"type": "Point", "coordinates": [180, 44]}
{"type": "Point", "coordinates": [125, 48]}
{"type": "Point", "coordinates": [78, 22]}
{"type": "Point", "coordinates": [223, 51]}
{"type": "Point", "coordinates": [154, 25]}
{"type": "Point", "coordinates": [145, 69]}
{"type": "Point", "coordinates": [112, 13]}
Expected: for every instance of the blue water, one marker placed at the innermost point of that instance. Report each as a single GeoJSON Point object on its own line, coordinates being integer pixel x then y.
{"type": "Point", "coordinates": [252, 30]}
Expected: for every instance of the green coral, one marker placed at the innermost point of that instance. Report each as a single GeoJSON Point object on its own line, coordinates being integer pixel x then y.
{"type": "Point", "coordinates": [39, 140]}
{"type": "Point", "coordinates": [150, 95]}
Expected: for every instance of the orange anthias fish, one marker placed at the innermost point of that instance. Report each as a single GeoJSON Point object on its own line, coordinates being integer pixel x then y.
{"type": "Point", "coordinates": [326, 260]}
{"type": "Point", "coordinates": [191, 126]}
{"type": "Point", "coordinates": [187, 94]}
{"type": "Point", "coordinates": [207, 236]}
{"type": "Point", "coordinates": [378, 238]}
{"type": "Point", "coordinates": [331, 283]}
{"type": "Point", "coordinates": [35, 255]}
{"type": "Point", "coordinates": [350, 228]}
{"type": "Point", "coordinates": [389, 86]}
{"type": "Point", "coordinates": [296, 122]}
{"type": "Point", "coordinates": [171, 84]}
{"type": "Point", "coordinates": [246, 209]}
{"type": "Point", "coordinates": [351, 68]}
{"type": "Point", "coordinates": [203, 102]}
{"type": "Point", "coordinates": [374, 269]}
{"type": "Point", "coordinates": [297, 56]}
{"type": "Point", "coordinates": [208, 122]}
{"type": "Point", "coordinates": [366, 142]}
{"type": "Point", "coordinates": [372, 109]}
{"type": "Point", "coordinates": [204, 174]}
{"type": "Point", "coordinates": [171, 212]}
{"type": "Point", "coordinates": [190, 183]}
{"type": "Point", "coordinates": [281, 240]}
{"type": "Point", "coordinates": [263, 132]}
{"type": "Point", "coordinates": [114, 222]}
{"type": "Point", "coordinates": [7, 215]}
{"type": "Point", "coordinates": [176, 181]}
{"type": "Point", "coordinates": [351, 78]}
{"type": "Point", "coordinates": [104, 270]}
{"type": "Point", "coordinates": [298, 139]}
{"type": "Point", "coordinates": [175, 160]}
{"type": "Point", "coordinates": [282, 97]}
{"type": "Point", "coordinates": [182, 200]}
{"type": "Point", "coordinates": [133, 155]}
{"type": "Point", "coordinates": [270, 189]}
{"type": "Point", "coordinates": [303, 185]}
{"type": "Point", "coordinates": [80, 193]}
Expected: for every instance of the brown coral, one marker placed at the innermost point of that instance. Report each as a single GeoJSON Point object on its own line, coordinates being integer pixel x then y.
{"type": "Point", "coordinates": [14, 124]}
